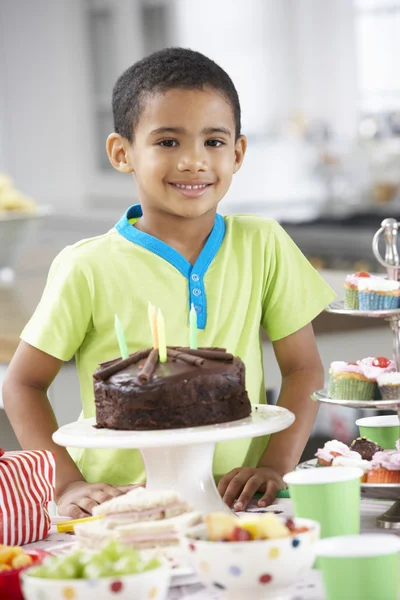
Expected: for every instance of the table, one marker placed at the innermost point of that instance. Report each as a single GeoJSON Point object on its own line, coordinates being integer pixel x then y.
{"type": "Point", "coordinates": [309, 588]}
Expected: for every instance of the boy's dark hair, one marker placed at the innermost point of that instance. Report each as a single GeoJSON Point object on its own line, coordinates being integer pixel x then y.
{"type": "Point", "coordinates": [164, 70]}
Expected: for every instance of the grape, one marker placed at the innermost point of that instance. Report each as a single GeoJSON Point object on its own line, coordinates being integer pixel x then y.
{"type": "Point", "coordinates": [98, 567]}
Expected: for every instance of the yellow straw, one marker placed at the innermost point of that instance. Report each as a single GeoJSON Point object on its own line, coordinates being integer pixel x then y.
{"type": "Point", "coordinates": [66, 526]}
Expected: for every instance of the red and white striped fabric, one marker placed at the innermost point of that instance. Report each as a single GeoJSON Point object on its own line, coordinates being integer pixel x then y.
{"type": "Point", "coordinates": [27, 481]}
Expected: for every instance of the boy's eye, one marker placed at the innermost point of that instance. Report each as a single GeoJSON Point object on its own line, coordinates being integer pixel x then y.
{"type": "Point", "coordinates": [168, 143]}
{"type": "Point", "coordinates": [214, 143]}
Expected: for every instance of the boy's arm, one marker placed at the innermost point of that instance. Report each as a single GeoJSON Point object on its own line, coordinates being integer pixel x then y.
{"type": "Point", "coordinates": [27, 380]}
{"type": "Point", "coordinates": [302, 374]}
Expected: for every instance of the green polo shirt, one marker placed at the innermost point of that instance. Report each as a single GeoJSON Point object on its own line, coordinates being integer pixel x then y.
{"type": "Point", "coordinates": [249, 273]}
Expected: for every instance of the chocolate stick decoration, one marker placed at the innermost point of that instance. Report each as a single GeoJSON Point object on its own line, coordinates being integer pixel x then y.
{"type": "Point", "coordinates": [121, 364]}
{"type": "Point", "coordinates": [149, 366]}
{"type": "Point", "coordinates": [185, 356]}
{"type": "Point", "coordinates": [208, 353]}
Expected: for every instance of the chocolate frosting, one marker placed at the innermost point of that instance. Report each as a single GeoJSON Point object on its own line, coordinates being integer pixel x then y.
{"type": "Point", "coordinates": [178, 393]}
{"type": "Point", "coordinates": [365, 447]}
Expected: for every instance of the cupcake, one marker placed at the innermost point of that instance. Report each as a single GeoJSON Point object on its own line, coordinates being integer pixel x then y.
{"type": "Point", "coordinates": [351, 289]}
{"type": "Point", "coordinates": [352, 461]}
{"type": "Point", "coordinates": [332, 450]}
{"type": "Point", "coordinates": [385, 467]}
{"type": "Point", "coordinates": [366, 448]}
{"type": "Point", "coordinates": [389, 385]}
{"type": "Point", "coordinates": [348, 382]}
{"type": "Point", "coordinates": [375, 293]}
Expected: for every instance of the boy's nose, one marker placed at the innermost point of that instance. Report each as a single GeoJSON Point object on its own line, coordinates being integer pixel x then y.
{"type": "Point", "coordinates": [193, 162]}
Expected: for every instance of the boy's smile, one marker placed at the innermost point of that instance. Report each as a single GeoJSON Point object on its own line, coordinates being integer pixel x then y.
{"type": "Point", "coordinates": [184, 152]}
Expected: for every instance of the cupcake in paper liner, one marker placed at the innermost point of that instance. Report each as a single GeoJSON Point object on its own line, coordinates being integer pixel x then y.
{"type": "Point", "coordinates": [353, 461]}
{"type": "Point", "coordinates": [376, 293]}
{"type": "Point", "coordinates": [332, 450]}
{"type": "Point", "coordinates": [351, 289]}
{"type": "Point", "coordinates": [389, 386]}
{"type": "Point", "coordinates": [385, 467]}
{"type": "Point", "coordinates": [365, 447]}
{"type": "Point", "coordinates": [347, 382]}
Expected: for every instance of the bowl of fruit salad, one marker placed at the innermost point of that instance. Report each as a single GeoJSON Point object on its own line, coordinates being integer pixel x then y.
{"type": "Point", "coordinates": [13, 560]}
{"type": "Point", "coordinates": [256, 556]}
{"type": "Point", "coordinates": [113, 571]}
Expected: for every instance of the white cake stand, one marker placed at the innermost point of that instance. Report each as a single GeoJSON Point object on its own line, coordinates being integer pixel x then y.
{"type": "Point", "coordinates": [179, 459]}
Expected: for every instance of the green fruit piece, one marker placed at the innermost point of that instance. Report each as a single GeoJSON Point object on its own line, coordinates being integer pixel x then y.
{"type": "Point", "coordinates": [98, 567]}
{"type": "Point", "coordinates": [153, 563]}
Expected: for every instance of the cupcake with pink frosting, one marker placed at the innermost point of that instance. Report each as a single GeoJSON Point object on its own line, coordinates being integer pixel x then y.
{"type": "Point", "coordinates": [332, 450]}
{"type": "Point", "coordinates": [358, 380]}
{"type": "Point", "coordinates": [385, 467]}
{"type": "Point", "coordinates": [353, 461]}
{"type": "Point", "coordinates": [351, 289]}
{"type": "Point", "coordinates": [348, 382]}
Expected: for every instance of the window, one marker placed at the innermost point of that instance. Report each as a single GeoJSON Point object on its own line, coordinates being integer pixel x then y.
{"type": "Point", "coordinates": [378, 51]}
{"type": "Point", "coordinates": [119, 33]}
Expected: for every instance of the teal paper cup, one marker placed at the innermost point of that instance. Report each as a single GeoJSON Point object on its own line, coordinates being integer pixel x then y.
{"type": "Point", "coordinates": [384, 430]}
{"type": "Point", "coordinates": [329, 495]}
{"type": "Point", "coordinates": [364, 567]}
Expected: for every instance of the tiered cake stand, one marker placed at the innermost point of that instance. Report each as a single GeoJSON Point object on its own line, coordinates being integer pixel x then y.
{"type": "Point", "coordinates": [391, 518]}
{"type": "Point", "coordinates": [179, 459]}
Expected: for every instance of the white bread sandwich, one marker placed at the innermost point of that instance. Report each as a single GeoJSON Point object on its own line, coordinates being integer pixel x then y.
{"type": "Point", "coordinates": [141, 519]}
{"type": "Point", "coordinates": [138, 534]}
{"type": "Point", "coordinates": [141, 505]}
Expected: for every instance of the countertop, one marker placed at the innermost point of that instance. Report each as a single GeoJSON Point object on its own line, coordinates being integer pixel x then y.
{"type": "Point", "coordinates": [18, 301]}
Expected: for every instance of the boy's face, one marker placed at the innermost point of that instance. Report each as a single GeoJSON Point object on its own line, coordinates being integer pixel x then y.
{"type": "Point", "coordinates": [184, 152]}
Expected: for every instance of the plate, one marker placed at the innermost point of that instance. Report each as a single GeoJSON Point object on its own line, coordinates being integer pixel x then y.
{"type": "Point", "coordinates": [339, 309]}
{"type": "Point", "coordinates": [263, 420]}
{"type": "Point", "coordinates": [375, 491]}
{"type": "Point", "coordinates": [323, 396]}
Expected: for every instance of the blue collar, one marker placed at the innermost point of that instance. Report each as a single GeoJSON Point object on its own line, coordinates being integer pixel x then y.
{"type": "Point", "coordinates": [194, 274]}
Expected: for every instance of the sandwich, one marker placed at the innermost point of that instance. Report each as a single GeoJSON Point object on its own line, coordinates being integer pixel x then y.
{"type": "Point", "coordinates": [140, 519]}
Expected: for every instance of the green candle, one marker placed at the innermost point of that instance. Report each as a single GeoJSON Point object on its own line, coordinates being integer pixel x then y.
{"type": "Point", "coordinates": [119, 330]}
{"type": "Point", "coordinates": [193, 328]}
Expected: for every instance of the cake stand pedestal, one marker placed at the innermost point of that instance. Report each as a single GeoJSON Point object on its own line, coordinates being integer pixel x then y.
{"type": "Point", "coordinates": [179, 459]}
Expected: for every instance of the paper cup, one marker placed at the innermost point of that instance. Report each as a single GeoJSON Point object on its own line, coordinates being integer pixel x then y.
{"type": "Point", "coordinates": [329, 495]}
{"type": "Point", "coordinates": [360, 566]}
{"type": "Point", "coordinates": [384, 430]}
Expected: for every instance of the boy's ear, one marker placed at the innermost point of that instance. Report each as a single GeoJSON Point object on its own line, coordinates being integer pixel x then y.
{"type": "Point", "coordinates": [118, 153]}
{"type": "Point", "coordinates": [240, 151]}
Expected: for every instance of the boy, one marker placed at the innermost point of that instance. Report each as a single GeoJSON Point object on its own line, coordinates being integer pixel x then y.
{"type": "Point", "coordinates": [177, 130]}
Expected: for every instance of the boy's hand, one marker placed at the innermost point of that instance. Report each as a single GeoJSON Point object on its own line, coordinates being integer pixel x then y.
{"type": "Point", "coordinates": [239, 486]}
{"type": "Point", "coordinates": [79, 497]}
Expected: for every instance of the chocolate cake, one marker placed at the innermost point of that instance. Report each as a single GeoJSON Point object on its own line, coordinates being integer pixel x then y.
{"type": "Point", "coordinates": [365, 447]}
{"type": "Point", "coordinates": [194, 387]}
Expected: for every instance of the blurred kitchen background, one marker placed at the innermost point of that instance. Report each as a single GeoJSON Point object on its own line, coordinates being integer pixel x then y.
{"type": "Point", "coordinates": [319, 84]}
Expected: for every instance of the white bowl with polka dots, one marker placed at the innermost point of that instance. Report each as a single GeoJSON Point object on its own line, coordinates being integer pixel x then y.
{"type": "Point", "coordinates": [258, 569]}
{"type": "Point", "coordinates": [150, 585]}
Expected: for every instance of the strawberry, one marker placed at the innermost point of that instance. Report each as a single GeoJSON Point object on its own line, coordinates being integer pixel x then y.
{"type": "Point", "coordinates": [381, 361]}
{"type": "Point", "coordinates": [240, 535]}
{"type": "Point", "coordinates": [362, 274]}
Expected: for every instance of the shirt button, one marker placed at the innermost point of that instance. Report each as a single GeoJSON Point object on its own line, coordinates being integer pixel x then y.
{"type": "Point", "coordinates": [197, 308]}
{"type": "Point", "coordinates": [196, 292]}
{"type": "Point", "coordinates": [195, 277]}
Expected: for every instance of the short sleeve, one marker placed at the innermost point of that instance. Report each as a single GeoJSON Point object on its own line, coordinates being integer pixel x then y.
{"type": "Point", "coordinates": [64, 313]}
{"type": "Point", "coordinates": [294, 293]}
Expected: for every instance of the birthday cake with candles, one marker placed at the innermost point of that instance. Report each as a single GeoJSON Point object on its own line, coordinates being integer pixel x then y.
{"type": "Point", "coordinates": [170, 388]}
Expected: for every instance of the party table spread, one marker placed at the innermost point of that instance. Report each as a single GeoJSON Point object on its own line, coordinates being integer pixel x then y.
{"type": "Point", "coordinates": [308, 588]}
